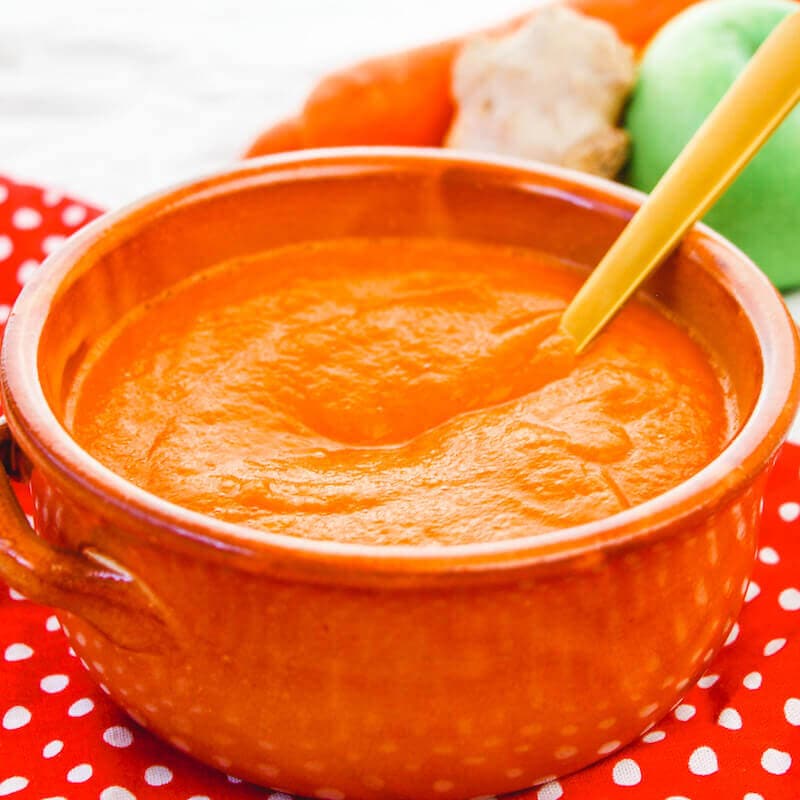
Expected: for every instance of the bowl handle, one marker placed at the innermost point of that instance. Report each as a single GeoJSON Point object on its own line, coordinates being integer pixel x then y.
{"type": "Point", "coordinates": [107, 598]}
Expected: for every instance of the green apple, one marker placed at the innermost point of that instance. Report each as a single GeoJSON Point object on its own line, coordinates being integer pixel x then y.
{"type": "Point", "coordinates": [683, 74]}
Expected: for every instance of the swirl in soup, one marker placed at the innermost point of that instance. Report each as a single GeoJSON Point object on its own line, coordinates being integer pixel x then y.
{"type": "Point", "coordinates": [397, 391]}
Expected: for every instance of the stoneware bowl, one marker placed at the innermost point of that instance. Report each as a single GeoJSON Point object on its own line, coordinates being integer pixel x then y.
{"type": "Point", "coordinates": [354, 671]}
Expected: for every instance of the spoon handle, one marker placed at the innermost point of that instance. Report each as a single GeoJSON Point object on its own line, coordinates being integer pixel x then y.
{"type": "Point", "coordinates": [762, 96]}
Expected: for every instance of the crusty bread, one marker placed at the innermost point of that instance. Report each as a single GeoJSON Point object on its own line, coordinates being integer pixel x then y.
{"type": "Point", "coordinates": [552, 91]}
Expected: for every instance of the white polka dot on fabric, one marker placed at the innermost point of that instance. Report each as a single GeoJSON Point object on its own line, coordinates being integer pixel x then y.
{"type": "Point", "coordinates": [609, 747]}
{"type": "Point", "coordinates": [16, 717]}
{"type": "Point", "coordinates": [80, 708]}
{"type": "Point", "coordinates": [11, 785]}
{"type": "Point", "coordinates": [52, 749]}
{"type": "Point", "coordinates": [18, 652]}
{"type": "Point", "coordinates": [753, 796]}
{"type": "Point", "coordinates": [789, 599]}
{"type": "Point", "coordinates": [685, 712]}
{"type": "Point", "coordinates": [654, 736]}
{"type": "Point", "coordinates": [26, 219]}
{"type": "Point", "coordinates": [627, 772]}
{"type": "Point", "coordinates": [157, 775]}
{"type": "Point", "coordinates": [3, 193]}
{"type": "Point", "coordinates": [54, 683]}
{"type": "Point", "coordinates": [733, 635]}
{"type": "Point", "coordinates": [26, 270]}
{"type": "Point", "coordinates": [707, 681]}
{"type": "Point", "coordinates": [791, 710]}
{"type": "Point", "coordinates": [752, 681]}
{"type": "Point", "coordinates": [6, 247]}
{"type": "Point", "coordinates": [776, 762]}
{"type": "Point", "coordinates": [52, 197]}
{"type": "Point", "coordinates": [789, 512]}
{"type": "Point", "coordinates": [774, 646]}
{"type": "Point", "coordinates": [13, 593]}
{"type": "Point", "coordinates": [116, 793]}
{"type": "Point", "coordinates": [550, 791]}
{"type": "Point", "coordinates": [73, 215]}
{"type": "Point", "coordinates": [51, 243]}
{"type": "Point", "coordinates": [80, 773]}
{"type": "Point", "coordinates": [730, 718]}
{"type": "Point", "coordinates": [703, 761]}
{"type": "Point", "coordinates": [768, 555]}
{"type": "Point", "coordinates": [118, 736]}
{"type": "Point", "coordinates": [753, 591]}
{"type": "Point", "coordinates": [52, 624]}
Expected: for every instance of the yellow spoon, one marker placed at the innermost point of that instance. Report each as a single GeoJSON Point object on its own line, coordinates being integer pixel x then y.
{"type": "Point", "coordinates": [763, 94]}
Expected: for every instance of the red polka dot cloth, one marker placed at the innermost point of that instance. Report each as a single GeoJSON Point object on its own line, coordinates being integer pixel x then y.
{"type": "Point", "coordinates": [735, 736]}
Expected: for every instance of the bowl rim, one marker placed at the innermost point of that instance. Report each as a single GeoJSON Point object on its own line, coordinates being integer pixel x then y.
{"type": "Point", "coordinates": [49, 446]}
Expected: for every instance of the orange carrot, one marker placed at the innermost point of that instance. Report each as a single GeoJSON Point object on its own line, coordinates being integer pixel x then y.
{"type": "Point", "coordinates": [285, 136]}
{"type": "Point", "coordinates": [397, 99]}
{"type": "Point", "coordinates": [636, 21]}
{"type": "Point", "coordinates": [405, 98]}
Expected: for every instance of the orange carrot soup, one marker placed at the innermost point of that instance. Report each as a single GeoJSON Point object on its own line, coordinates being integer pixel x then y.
{"type": "Point", "coordinates": [397, 391]}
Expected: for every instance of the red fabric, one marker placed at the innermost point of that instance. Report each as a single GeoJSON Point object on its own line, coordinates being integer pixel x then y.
{"type": "Point", "coordinates": [735, 736]}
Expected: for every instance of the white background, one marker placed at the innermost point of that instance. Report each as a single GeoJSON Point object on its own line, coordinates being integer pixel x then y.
{"type": "Point", "coordinates": [109, 99]}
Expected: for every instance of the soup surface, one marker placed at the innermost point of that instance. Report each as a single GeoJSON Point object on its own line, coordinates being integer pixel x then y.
{"type": "Point", "coordinates": [396, 391]}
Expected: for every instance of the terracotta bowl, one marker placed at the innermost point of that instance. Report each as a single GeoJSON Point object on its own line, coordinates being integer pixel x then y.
{"type": "Point", "coordinates": [353, 671]}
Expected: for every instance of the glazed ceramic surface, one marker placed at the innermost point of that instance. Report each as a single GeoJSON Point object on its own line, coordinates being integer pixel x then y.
{"type": "Point", "coordinates": [336, 670]}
